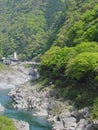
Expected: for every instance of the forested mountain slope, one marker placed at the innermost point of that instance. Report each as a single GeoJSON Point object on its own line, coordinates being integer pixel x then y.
{"type": "Point", "coordinates": [71, 63]}
{"type": "Point", "coordinates": [76, 32]}
{"type": "Point", "coordinates": [81, 23]}
{"type": "Point", "coordinates": [24, 25]}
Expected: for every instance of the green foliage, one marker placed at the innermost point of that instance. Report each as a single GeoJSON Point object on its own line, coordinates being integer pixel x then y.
{"type": "Point", "coordinates": [82, 67]}
{"type": "Point", "coordinates": [75, 33]}
{"type": "Point", "coordinates": [54, 10]}
{"type": "Point", "coordinates": [87, 47]}
{"type": "Point", "coordinates": [71, 64]}
{"type": "Point", "coordinates": [79, 96]}
{"type": "Point", "coordinates": [2, 66]}
{"type": "Point", "coordinates": [49, 61]}
{"type": "Point", "coordinates": [6, 124]}
{"type": "Point", "coordinates": [81, 23]}
{"type": "Point", "coordinates": [25, 26]}
{"type": "Point", "coordinates": [94, 110]}
{"type": "Point", "coordinates": [53, 62]}
{"type": "Point", "coordinates": [22, 57]}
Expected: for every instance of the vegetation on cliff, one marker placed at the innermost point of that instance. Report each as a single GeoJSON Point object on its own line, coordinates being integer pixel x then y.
{"type": "Point", "coordinates": [75, 64]}
{"type": "Point", "coordinates": [71, 63]}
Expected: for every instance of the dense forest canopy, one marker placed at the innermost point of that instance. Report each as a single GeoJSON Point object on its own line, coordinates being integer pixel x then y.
{"type": "Point", "coordinates": [25, 25]}
{"type": "Point", "coordinates": [73, 42]}
{"type": "Point", "coordinates": [81, 23]}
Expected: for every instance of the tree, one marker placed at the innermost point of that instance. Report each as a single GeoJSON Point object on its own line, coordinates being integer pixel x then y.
{"type": "Point", "coordinates": [82, 68]}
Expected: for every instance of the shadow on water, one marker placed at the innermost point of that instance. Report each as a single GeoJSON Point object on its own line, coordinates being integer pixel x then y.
{"type": "Point", "coordinates": [36, 123]}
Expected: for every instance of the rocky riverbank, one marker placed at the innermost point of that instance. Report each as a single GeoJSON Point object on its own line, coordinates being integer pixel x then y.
{"type": "Point", "coordinates": [12, 77]}
{"type": "Point", "coordinates": [46, 102]}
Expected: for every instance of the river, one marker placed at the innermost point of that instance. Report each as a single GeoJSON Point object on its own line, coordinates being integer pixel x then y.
{"type": "Point", "coordinates": [35, 122]}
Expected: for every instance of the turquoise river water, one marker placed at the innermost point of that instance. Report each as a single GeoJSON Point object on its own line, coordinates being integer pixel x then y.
{"type": "Point", "coordinates": [36, 123]}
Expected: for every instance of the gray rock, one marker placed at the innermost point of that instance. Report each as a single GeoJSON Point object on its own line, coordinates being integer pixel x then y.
{"type": "Point", "coordinates": [83, 125]}
{"type": "Point", "coordinates": [21, 125]}
{"type": "Point", "coordinates": [95, 125]}
{"type": "Point", "coordinates": [1, 108]}
{"type": "Point", "coordinates": [58, 126]}
{"type": "Point", "coordinates": [84, 113]}
{"type": "Point", "coordinates": [69, 123]}
{"type": "Point", "coordinates": [74, 113]}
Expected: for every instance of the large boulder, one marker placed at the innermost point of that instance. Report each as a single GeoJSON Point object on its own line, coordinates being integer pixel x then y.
{"type": "Point", "coordinates": [84, 113]}
{"type": "Point", "coordinates": [83, 125]}
{"type": "Point", "coordinates": [95, 125]}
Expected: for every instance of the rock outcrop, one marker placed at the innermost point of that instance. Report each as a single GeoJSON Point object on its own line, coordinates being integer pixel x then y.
{"type": "Point", "coordinates": [13, 76]}
{"type": "Point", "coordinates": [46, 102]}
{"type": "Point", "coordinates": [27, 98]}
{"type": "Point", "coordinates": [71, 121]}
{"type": "Point", "coordinates": [63, 115]}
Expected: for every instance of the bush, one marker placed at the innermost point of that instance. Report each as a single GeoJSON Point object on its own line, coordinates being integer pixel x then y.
{"type": "Point", "coordinates": [94, 111]}
{"type": "Point", "coordinates": [53, 62]}
{"type": "Point", "coordinates": [6, 124]}
{"type": "Point", "coordinates": [82, 68]}
{"type": "Point", "coordinates": [22, 57]}
{"type": "Point", "coordinates": [2, 66]}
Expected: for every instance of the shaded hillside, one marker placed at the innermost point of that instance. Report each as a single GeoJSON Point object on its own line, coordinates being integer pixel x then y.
{"type": "Point", "coordinates": [24, 25]}
{"type": "Point", "coordinates": [81, 23]}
